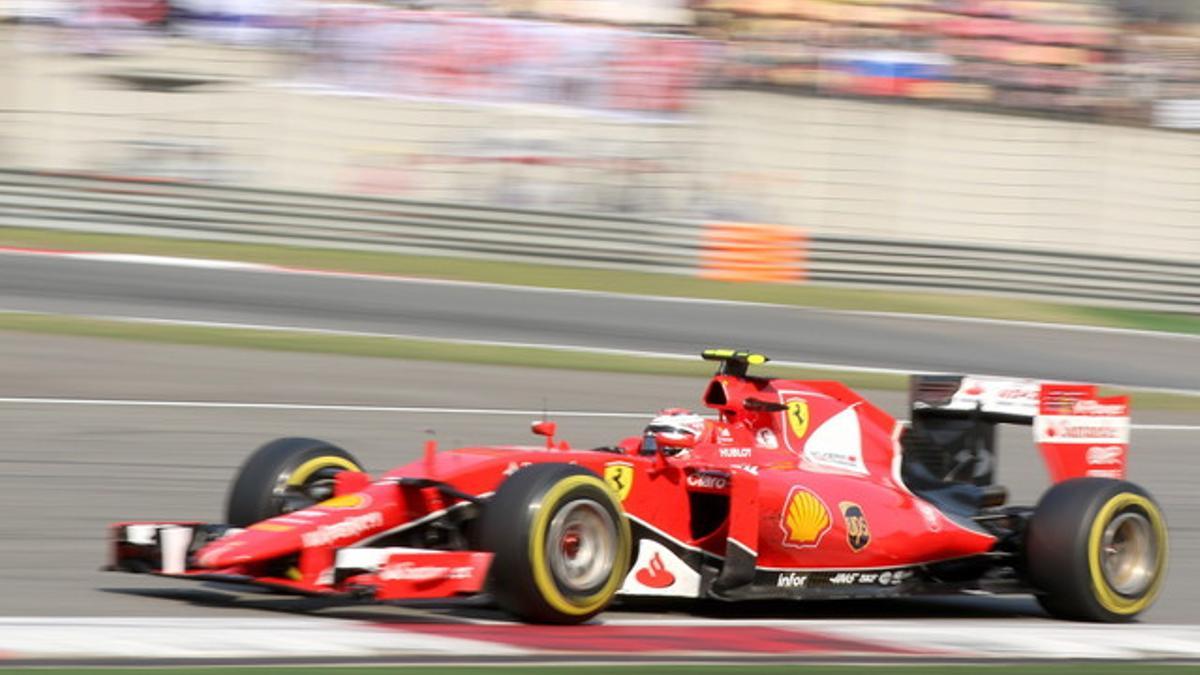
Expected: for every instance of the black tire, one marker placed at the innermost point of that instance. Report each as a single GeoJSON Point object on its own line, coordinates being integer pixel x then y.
{"type": "Point", "coordinates": [285, 475]}
{"type": "Point", "coordinates": [528, 524]}
{"type": "Point", "coordinates": [1077, 574]}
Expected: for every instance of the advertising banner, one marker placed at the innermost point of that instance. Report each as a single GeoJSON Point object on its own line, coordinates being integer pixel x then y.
{"type": "Point", "coordinates": [453, 57]}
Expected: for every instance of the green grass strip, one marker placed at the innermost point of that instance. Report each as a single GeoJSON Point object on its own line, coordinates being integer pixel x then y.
{"type": "Point", "coordinates": [639, 283]}
{"type": "Point", "coordinates": [434, 350]}
{"type": "Point", "coordinates": [630, 669]}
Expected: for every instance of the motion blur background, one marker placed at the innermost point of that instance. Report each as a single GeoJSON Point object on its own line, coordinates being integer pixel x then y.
{"type": "Point", "coordinates": [1034, 149]}
{"type": "Point", "coordinates": [1060, 128]}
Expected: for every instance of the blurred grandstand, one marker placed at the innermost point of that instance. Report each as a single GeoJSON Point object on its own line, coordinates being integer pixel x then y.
{"type": "Point", "coordinates": [1102, 60]}
{"type": "Point", "coordinates": [968, 120]}
{"type": "Point", "coordinates": [1112, 60]}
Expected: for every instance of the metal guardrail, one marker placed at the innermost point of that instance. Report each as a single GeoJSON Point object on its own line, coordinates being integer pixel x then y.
{"type": "Point", "coordinates": [184, 210]}
{"type": "Point", "coordinates": [198, 211]}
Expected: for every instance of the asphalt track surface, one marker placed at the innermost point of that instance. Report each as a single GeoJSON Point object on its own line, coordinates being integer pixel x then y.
{"type": "Point", "coordinates": [69, 469]}
{"type": "Point", "coordinates": [415, 308]}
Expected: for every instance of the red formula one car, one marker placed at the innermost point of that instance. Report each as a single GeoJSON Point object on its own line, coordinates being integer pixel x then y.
{"type": "Point", "coordinates": [796, 489]}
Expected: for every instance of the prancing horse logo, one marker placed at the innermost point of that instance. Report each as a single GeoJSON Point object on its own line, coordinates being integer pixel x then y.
{"type": "Point", "coordinates": [797, 415]}
{"type": "Point", "coordinates": [620, 478]}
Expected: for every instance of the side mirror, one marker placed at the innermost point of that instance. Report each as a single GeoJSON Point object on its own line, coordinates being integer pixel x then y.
{"type": "Point", "coordinates": [547, 429]}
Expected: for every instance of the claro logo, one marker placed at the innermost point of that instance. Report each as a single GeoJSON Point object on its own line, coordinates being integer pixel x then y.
{"type": "Point", "coordinates": [350, 527]}
{"type": "Point", "coordinates": [707, 481]}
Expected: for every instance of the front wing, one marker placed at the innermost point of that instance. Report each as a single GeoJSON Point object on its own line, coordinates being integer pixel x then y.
{"type": "Point", "coordinates": [388, 573]}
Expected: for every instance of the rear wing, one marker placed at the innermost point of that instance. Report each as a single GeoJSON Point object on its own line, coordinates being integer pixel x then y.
{"type": "Point", "coordinates": [954, 418]}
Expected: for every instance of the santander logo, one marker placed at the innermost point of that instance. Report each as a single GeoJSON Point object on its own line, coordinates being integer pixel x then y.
{"type": "Point", "coordinates": [655, 575]}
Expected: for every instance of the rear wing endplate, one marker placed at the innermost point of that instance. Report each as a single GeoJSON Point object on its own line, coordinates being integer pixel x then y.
{"type": "Point", "coordinates": [1078, 432]}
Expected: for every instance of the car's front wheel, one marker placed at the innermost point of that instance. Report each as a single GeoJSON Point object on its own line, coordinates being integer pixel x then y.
{"type": "Point", "coordinates": [561, 543]}
{"type": "Point", "coordinates": [285, 475]}
{"type": "Point", "coordinates": [1096, 550]}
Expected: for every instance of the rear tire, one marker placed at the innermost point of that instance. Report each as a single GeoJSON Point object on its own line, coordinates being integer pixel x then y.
{"type": "Point", "coordinates": [285, 475]}
{"type": "Point", "coordinates": [561, 542]}
{"type": "Point", "coordinates": [1096, 549]}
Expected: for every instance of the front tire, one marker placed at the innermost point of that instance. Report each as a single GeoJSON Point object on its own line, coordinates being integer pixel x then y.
{"type": "Point", "coordinates": [561, 542]}
{"type": "Point", "coordinates": [1097, 550]}
{"type": "Point", "coordinates": [285, 475]}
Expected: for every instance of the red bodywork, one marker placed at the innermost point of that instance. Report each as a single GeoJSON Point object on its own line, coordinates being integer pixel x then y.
{"type": "Point", "coordinates": [797, 480]}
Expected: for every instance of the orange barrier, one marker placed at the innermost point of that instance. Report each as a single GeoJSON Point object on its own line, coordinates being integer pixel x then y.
{"type": "Point", "coordinates": [748, 252]}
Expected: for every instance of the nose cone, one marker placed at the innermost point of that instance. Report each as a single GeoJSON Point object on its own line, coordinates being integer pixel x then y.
{"type": "Point", "coordinates": [333, 523]}
{"type": "Point", "coordinates": [261, 541]}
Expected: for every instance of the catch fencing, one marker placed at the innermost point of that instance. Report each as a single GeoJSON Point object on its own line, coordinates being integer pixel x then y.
{"type": "Point", "coordinates": [75, 202]}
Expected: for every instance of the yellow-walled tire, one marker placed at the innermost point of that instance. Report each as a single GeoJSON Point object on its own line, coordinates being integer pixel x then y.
{"type": "Point", "coordinates": [561, 542]}
{"type": "Point", "coordinates": [285, 475]}
{"type": "Point", "coordinates": [1096, 550]}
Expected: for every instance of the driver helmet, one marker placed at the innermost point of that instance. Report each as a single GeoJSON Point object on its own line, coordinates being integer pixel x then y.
{"type": "Point", "coordinates": [675, 424]}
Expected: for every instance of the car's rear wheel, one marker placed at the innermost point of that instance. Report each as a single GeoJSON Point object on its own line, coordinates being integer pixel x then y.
{"type": "Point", "coordinates": [1097, 550]}
{"type": "Point", "coordinates": [285, 475]}
{"type": "Point", "coordinates": [561, 543]}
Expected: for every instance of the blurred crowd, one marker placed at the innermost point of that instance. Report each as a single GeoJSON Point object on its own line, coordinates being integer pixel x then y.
{"type": "Point", "coordinates": [1129, 61]}
{"type": "Point", "coordinates": [1089, 57]}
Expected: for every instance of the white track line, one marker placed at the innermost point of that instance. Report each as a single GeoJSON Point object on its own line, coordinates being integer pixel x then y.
{"type": "Point", "coordinates": [579, 349]}
{"type": "Point", "coordinates": [1040, 325]}
{"type": "Point", "coordinates": [241, 405]}
{"type": "Point", "coordinates": [582, 349]}
{"type": "Point", "coordinates": [229, 265]}
{"type": "Point", "coordinates": [298, 638]}
{"type": "Point", "coordinates": [226, 637]}
{"type": "Point", "coordinates": [433, 410]}
{"type": "Point", "coordinates": [262, 268]}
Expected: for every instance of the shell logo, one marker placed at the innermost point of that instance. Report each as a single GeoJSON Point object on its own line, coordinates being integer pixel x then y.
{"type": "Point", "coordinates": [805, 519]}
